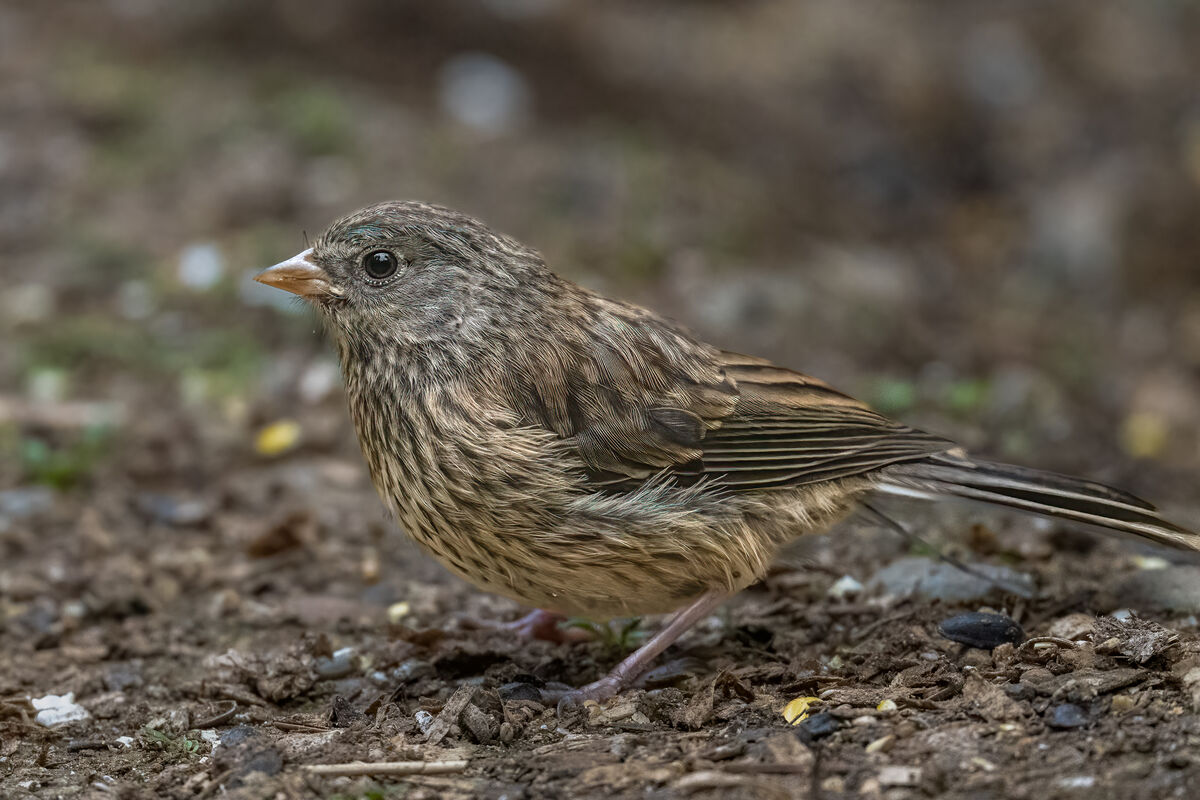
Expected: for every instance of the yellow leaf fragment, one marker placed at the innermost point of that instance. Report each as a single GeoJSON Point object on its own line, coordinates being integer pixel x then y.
{"type": "Point", "coordinates": [796, 711]}
{"type": "Point", "coordinates": [277, 438]}
{"type": "Point", "coordinates": [1144, 435]}
{"type": "Point", "coordinates": [398, 611]}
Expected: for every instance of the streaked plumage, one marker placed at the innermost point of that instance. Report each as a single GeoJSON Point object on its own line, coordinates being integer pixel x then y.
{"type": "Point", "coordinates": [586, 456]}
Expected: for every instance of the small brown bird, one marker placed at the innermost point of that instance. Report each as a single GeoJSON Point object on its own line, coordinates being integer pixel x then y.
{"type": "Point", "coordinates": [586, 457]}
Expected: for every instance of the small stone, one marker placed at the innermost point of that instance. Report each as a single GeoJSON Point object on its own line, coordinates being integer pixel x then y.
{"type": "Point", "coordinates": [882, 744]}
{"type": "Point", "coordinates": [482, 92]}
{"type": "Point", "coordinates": [519, 690]}
{"type": "Point", "coordinates": [424, 720]}
{"type": "Point", "coordinates": [53, 710]}
{"type": "Point", "coordinates": [985, 631]}
{"type": "Point", "coordinates": [1066, 716]}
{"type": "Point", "coordinates": [933, 580]}
{"type": "Point", "coordinates": [1122, 703]}
{"type": "Point", "coordinates": [235, 736]}
{"type": "Point", "coordinates": [201, 265]}
{"type": "Point", "coordinates": [817, 727]}
{"type": "Point", "coordinates": [413, 669]}
{"type": "Point", "coordinates": [339, 665]}
{"type": "Point", "coordinates": [174, 511]}
{"type": "Point", "coordinates": [845, 586]}
{"type": "Point", "coordinates": [895, 775]}
{"type": "Point", "coordinates": [1174, 588]}
{"type": "Point", "coordinates": [25, 502]}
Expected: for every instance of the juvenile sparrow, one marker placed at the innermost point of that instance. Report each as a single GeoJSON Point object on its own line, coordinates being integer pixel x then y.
{"type": "Point", "coordinates": [583, 455]}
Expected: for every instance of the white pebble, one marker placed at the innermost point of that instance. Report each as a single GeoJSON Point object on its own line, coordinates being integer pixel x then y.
{"type": "Point", "coordinates": [845, 586]}
{"type": "Point", "coordinates": [201, 266]}
{"type": "Point", "coordinates": [482, 92]}
{"type": "Point", "coordinates": [56, 709]}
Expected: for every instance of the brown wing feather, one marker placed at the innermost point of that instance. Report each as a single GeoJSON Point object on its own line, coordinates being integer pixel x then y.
{"type": "Point", "coordinates": [638, 398]}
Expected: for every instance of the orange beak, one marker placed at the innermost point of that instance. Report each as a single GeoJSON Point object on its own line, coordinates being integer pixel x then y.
{"type": "Point", "coordinates": [299, 276]}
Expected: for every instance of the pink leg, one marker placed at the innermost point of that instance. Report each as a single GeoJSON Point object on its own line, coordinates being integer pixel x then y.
{"type": "Point", "coordinates": [639, 660]}
{"type": "Point", "coordinates": [537, 624]}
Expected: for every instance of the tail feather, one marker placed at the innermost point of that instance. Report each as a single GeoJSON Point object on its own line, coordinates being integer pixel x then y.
{"type": "Point", "coordinates": [1038, 492]}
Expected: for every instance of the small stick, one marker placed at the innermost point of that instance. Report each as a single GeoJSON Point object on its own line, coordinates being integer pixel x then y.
{"type": "Point", "coordinates": [220, 718]}
{"type": "Point", "coordinates": [1054, 640]}
{"type": "Point", "coordinates": [359, 768]}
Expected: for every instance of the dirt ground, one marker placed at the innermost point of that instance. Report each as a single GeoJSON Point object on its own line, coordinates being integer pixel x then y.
{"type": "Point", "coordinates": [983, 223]}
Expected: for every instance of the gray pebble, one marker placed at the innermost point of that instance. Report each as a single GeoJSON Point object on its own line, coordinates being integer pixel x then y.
{"type": "Point", "coordinates": [520, 691]}
{"type": "Point", "coordinates": [1175, 588]}
{"type": "Point", "coordinates": [1066, 716]}
{"type": "Point", "coordinates": [339, 665]}
{"type": "Point", "coordinates": [934, 580]}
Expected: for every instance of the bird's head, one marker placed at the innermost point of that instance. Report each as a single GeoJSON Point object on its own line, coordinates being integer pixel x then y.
{"type": "Point", "coordinates": [409, 273]}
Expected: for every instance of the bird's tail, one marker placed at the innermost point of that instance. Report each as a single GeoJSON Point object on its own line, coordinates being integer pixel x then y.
{"type": "Point", "coordinates": [1037, 492]}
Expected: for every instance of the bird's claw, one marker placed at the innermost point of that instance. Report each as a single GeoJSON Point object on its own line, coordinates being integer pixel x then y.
{"type": "Point", "coordinates": [572, 701]}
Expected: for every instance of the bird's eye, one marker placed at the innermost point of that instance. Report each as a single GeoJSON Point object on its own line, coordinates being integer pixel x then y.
{"type": "Point", "coordinates": [380, 264]}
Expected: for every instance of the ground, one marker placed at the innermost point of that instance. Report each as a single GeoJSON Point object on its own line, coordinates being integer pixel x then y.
{"type": "Point", "coordinates": [269, 618]}
{"type": "Point", "coordinates": [982, 222]}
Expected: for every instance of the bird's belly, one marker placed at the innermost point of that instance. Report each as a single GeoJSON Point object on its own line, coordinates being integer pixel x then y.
{"type": "Point", "coordinates": [599, 566]}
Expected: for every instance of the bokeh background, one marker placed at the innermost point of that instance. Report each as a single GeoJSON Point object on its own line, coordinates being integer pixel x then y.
{"type": "Point", "coordinates": [985, 219]}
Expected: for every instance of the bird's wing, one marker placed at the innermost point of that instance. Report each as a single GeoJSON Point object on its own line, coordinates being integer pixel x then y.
{"type": "Point", "coordinates": [654, 401]}
{"type": "Point", "coordinates": [786, 429]}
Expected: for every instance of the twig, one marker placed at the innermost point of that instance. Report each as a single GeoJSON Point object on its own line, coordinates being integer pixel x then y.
{"type": "Point", "coordinates": [1055, 640]}
{"type": "Point", "coordinates": [910, 537]}
{"type": "Point", "coordinates": [359, 768]}
{"type": "Point", "coordinates": [218, 719]}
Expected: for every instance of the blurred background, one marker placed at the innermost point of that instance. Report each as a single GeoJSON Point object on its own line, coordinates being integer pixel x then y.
{"type": "Point", "coordinates": [983, 218]}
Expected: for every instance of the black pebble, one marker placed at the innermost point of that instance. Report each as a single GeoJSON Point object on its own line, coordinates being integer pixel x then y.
{"type": "Point", "coordinates": [818, 726]}
{"type": "Point", "coordinates": [520, 691]}
{"type": "Point", "coordinates": [981, 630]}
{"type": "Point", "coordinates": [1067, 715]}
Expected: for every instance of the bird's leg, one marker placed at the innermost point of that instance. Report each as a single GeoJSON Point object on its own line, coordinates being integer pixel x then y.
{"type": "Point", "coordinates": [537, 624]}
{"type": "Point", "coordinates": [639, 660]}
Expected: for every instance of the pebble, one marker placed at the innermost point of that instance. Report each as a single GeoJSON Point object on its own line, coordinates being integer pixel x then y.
{"type": "Point", "coordinates": [174, 511]}
{"type": "Point", "coordinates": [845, 586]}
{"type": "Point", "coordinates": [896, 775]}
{"type": "Point", "coordinates": [982, 630]}
{"type": "Point", "coordinates": [25, 502]}
{"type": "Point", "coordinates": [1173, 588]}
{"type": "Point", "coordinates": [934, 580]}
{"type": "Point", "coordinates": [201, 265]}
{"type": "Point", "coordinates": [424, 720]}
{"type": "Point", "coordinates": [235, 736]}
{"type": "Point", "coordinates": [53, 710]}
{"type": "Point", "coordinates": [482, 92]}
{"type": "Point", "coordinates": [339, 665]}
{"type": "Point", "coordinates": [413, 669]}
{"type": "Point", "coordinates": [1066, 716]}
{"type": "Point", "coordinates": [818, 726]}
{"type": "Point", "coordinates": [519, 690]}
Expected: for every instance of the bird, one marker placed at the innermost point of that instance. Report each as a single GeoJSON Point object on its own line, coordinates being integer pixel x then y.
{"type": "Point", "coordinates": [587, 457]}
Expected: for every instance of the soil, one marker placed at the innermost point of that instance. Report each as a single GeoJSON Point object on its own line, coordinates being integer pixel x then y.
{"type": "Point", "coordinates": [191, 549]}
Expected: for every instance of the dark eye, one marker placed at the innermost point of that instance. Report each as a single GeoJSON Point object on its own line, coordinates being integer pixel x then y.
{"type": "Point", "coordinates": [380, 264]}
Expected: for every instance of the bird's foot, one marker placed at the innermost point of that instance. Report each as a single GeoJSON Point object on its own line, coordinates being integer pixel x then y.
{"type": "Point", "coordinates": [570, 701]}
{"type": "Point", "coordinates": [637, 662]}
{"type": "Point", "coordinates": [538, 624]}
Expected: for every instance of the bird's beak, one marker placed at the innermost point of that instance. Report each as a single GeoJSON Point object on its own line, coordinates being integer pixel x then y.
{"type": "Point", "coordinates": [299, 275]}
